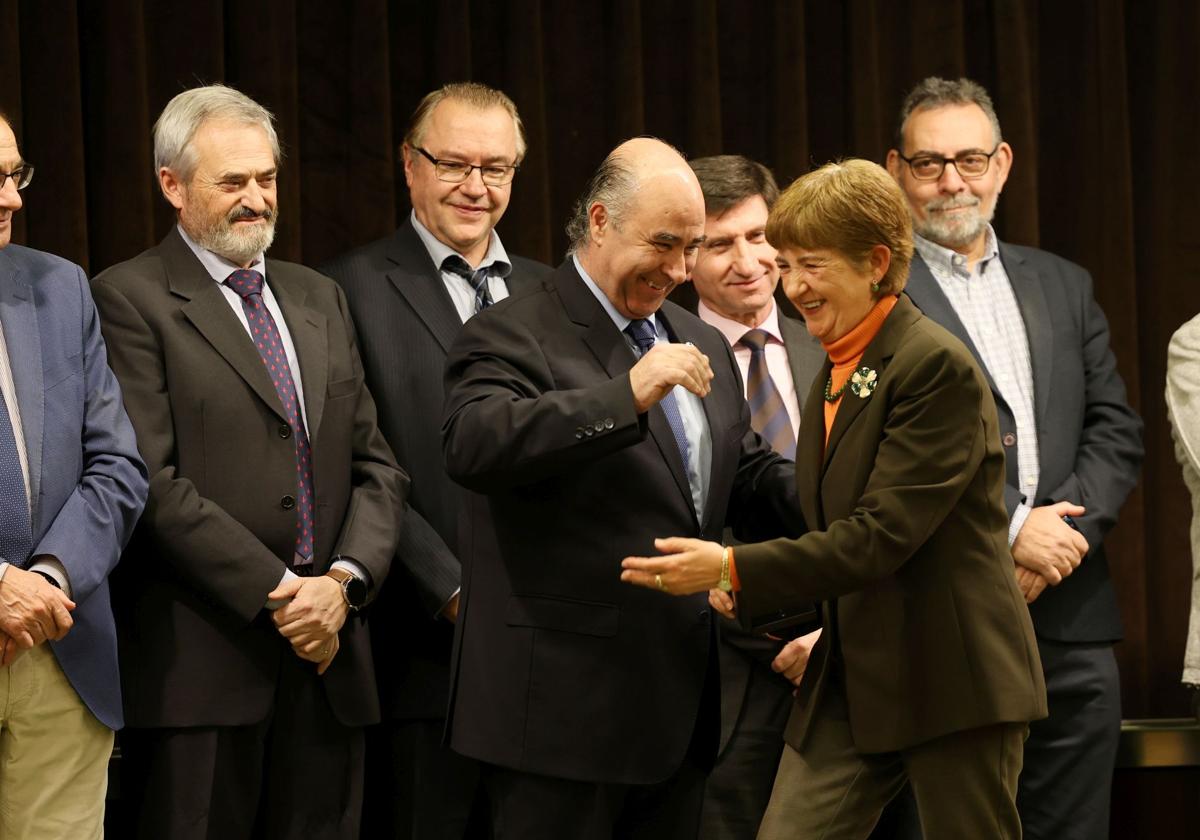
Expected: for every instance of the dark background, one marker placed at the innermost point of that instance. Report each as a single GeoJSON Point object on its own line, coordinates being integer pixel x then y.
{"type": "Point", "coordinates": [1098, 99]}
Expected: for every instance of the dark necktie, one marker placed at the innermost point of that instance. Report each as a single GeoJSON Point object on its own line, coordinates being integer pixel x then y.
{"type": "Point", "coordinates": [16, 541]}
{"type": "Point", "coordinates": [641, 330]}
{"type": "Point", "coordinates": [478, 278]}
{"type": "Point", "coordinates": [768, 414]}
{"type": "Point", "coordinates": [248, 285]}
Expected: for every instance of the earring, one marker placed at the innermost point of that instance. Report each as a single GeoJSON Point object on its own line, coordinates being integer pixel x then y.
{"type": "Point", "coordinates": [875, 287]}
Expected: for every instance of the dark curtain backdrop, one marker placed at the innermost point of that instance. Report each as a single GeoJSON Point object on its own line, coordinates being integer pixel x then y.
{"type": "Point", "coordinates": [1099, 100]}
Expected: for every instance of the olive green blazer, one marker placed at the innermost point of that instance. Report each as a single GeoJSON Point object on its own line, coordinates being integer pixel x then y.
{"type": "Point", "coordinates": [908, 546]}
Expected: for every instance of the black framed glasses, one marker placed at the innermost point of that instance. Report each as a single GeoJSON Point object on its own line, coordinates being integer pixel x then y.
{"type": "Point", "coordinates": [21, 176]}
{"type": "Point", "coordinates": [455, 171]}
{"type": "Point", "coordinates": [969, 165]}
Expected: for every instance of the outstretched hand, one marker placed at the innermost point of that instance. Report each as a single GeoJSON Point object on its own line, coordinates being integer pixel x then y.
{"type": "Point", "coordinates": [688, 566]}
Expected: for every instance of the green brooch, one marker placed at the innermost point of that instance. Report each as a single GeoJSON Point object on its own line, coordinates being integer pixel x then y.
{"type": "Point", "coordinates": [863, 382]}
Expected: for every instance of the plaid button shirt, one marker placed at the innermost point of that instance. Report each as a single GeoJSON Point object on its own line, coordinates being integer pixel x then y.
{"type": "Point", "coordinates": [984, 301]}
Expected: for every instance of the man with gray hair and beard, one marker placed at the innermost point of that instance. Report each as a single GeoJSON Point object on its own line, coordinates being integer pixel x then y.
{"type": "Point", "coordinates": [273, 511]}
{"type": "Point", "coordinates": [1072, 442]}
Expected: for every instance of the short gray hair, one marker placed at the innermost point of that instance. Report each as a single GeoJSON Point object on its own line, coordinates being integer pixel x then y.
{"type": "Point", "coordinates": [476, 95]}
{"type": "Point", "coordinates": [613, 185]}
{"type": "Point", "coordinates": [178, 123]}
{"type": "Point", "coordinates": [935, 92]}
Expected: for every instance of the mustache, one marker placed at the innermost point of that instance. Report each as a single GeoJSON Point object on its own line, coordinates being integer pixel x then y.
{"type": "Point", "coordinates": [240, 214]}
{"type": "Point", "coordinates": [952, 202]}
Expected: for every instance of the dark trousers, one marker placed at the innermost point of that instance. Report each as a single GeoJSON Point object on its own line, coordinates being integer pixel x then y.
{"type": "Point", "coordinates": [1066, 786]}
{"type": "Point", "coordinates": [739, 787]}
{"type": "Point", "coordinates": [298, 774]}
{"type": "Point", "coordinates": [526, 806]}
{"type": "Point", "coordinates": [419, 789]}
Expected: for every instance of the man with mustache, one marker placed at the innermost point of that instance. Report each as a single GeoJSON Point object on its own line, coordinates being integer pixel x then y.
{"type": "Point", "coordinates": [273, 511]}
{"type": "Point", "coordinates": [595, 416]}
{"type": "Point", "coordinates": [410, 293]}
{"type": "Point", "coordinates": [1073, 443]}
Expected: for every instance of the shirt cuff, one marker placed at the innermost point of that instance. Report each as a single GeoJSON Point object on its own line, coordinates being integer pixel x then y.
{"type": "Point", "coordinates": [1018, 522]}
{"type": "Point", "coordinates": [3, 568]}
{"type": "Point", "coordinates": [50, 565]}
{"type": "Point", "coordinates": [441, 613]}
{"type": "Point", "coordinates": [276, 603]}
{"type": "Point", "coordinates": [734, 583]}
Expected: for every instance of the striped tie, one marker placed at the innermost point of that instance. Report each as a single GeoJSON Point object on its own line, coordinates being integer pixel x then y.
{"type": "Point", "coordinates": [642, 331]}
{"type": "Point", "coordinates": [768, 414]}
{"type": "Point", "coordinates": [477, 278]}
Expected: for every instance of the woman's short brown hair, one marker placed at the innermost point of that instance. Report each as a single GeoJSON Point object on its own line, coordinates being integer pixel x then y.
{"type": "Point", "coordinates": [849, 206]}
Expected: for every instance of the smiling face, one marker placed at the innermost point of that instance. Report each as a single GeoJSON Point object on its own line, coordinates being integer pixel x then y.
{"type": "Point", "coordinates": [462, 215]}
{"type": "Point", "coordinates": [10, 199]}
{"type": "Point", "coordinates": [832, 292]}
{"type": "Point", "coordinates": [638, 259]}
{"type": "Point", "coordinates": [952, 211]}
{"type": "Point", "coordinates": [229, 205]}
{"type": "Point", "coordinates": [735, 273]}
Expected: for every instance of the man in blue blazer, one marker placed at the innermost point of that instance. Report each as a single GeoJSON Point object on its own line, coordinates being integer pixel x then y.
{"type": "Point", "coordinates": [71, 488]}
{"type": "Point", "coordinates": [1072, 442]}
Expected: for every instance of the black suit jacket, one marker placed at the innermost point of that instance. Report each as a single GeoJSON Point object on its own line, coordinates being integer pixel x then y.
{"type": "Point", "coordinates": [197, 647]}
{"type": "Point", "coordinates": [1089, 439]}
{"type": "Point", "coordinates": [560, 669]}
{"type": "Point", "coordinates": [406, 323]}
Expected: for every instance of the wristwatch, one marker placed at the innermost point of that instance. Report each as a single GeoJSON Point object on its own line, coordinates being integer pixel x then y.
{"type": "Point", "coordinates": [353, 589]}
{"type": "Point", "coordinates": [725, 584]}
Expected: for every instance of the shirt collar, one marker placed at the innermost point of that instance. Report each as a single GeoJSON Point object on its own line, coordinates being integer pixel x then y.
{"type": "Point", "coordinates": [218, 267]}
{"type": "Point", "coordinates": [617, 318]}
{"type": "Point", "coordinates": [734, 330]}
{"type": "Point", "coordinates": [496, 257]}
{"type": "Point", "coordinates": [946, 260]}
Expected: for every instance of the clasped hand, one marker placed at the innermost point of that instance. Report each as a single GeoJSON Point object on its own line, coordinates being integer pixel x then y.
{"type": "Point", "coordinates": [31, 611]}
{"type": "Point", "coordinates": [312, 617]}
{"type": "Point", "coordinates": [1047, 549]}
{"type": "Point", "coordinates": [664, 367]}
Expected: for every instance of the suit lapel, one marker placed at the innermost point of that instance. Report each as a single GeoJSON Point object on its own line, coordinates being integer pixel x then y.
{"type": "Point", "coordinates": [608, 346]}
{"type": "Point", "coordinates": [309, 330]}
{"type": "Point", "coordinates": [805, 356]}
{"type": "Point", "coordinates": [22, 337]}
{"type": "Point", "coordinates": [810, 449]}
{"type": "Point", "coordinates": [1031, 298]}
{"type": "Point", "coordinates": [210, 314]}
{"type": "Point", "coordinates": [419, 281]}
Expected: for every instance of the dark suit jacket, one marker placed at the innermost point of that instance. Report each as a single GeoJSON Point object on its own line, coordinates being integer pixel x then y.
{"type": "Point", "coordinates": [560, 669]}
{"type": "Point", "coordinates": [1089, 439]}
{"type": "Point", "coordinates": [909, 543]}
{"type": "Point", "coordinates": [87, 483]}
{"type": "Point", "coordinates": [197, 647]}
{"type": "Point", "coordinates": [406, 324]}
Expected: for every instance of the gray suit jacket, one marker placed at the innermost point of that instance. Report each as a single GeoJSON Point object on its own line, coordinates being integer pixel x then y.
{"type": "Point", "coordinates": [406, 323]}
{"type": "Point", "coordinates": [1089, 439]}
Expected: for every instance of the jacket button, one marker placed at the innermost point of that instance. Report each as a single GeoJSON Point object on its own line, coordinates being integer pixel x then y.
{"type": "Point", "coordinates": [598, 426]}
{"type": "Point", "coordinates": [285, 431]}
{"type": "Point", "coordinates": [608, 423]}
{"type": "Point", "coordinates": [287, 502]}
{"type": "Point", "coordinates": [589, 431]}
{"type": "Point", "coordinates": [1009, 439]}
{"type": "Point", "coordinates": [579, 434]}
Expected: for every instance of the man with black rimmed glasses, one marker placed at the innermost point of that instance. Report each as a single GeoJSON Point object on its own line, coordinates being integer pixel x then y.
{"type": "Point", "coordinates": [410, 293]}
{"type": "Point", "coordinates": [71, 488]}
{"type": "Point", "coordinates": [1073, 443]}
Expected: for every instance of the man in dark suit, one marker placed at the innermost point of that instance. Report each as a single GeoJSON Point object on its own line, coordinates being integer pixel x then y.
{"type": "Point", "coordinates": [273, 512]}
{"type": "Point", "coordinates": [735, 278]}
{"type": "Point", "coordinates": [409, 295]}
{"type": "Point", "coordinates": [71, 487]}
{"type": "Point", "coordinates": [595, 416]}
{"type": "Point", "coordinates": [1072, 442]}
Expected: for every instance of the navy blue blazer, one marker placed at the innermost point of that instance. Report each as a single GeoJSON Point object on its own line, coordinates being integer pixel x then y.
{"type": "Point", "coordinates": [87, 481]}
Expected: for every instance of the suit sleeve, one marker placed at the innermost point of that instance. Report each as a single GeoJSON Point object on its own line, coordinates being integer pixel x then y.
{"type": "Point", "coordinates": [209, 550]}
{"type": "Point", "coordinates": [1109, 455]}
{"type": "Point", "coordinates": [934, 440]}
{"type": "Point", "coordinates": [505, 422]}
{"type": "Point", "coordinates": [90, 530]}
{"type": "Point", "coordinates": [379, 487]}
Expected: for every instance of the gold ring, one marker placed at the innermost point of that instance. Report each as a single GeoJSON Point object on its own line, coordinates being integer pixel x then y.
{"type": "Point", "coordinates": [659, 581]}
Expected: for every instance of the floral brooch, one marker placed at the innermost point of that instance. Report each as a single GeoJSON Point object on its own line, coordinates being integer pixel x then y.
{"type": "Point", "coordinates": [863, 382]}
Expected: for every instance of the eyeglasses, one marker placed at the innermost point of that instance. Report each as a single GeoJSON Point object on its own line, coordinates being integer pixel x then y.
{"type": "Point", "coordinates": [455, 171]}
{"type": "Point", "coordinates": [21, 176]}
{"type": "Point", "coordinates": [969, 165]}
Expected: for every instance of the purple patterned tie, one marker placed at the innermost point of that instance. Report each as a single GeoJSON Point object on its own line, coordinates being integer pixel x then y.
{"type": "Point", "coordinates": [768, 414]}
{"type": "Point", "coordinates": [248, 285]}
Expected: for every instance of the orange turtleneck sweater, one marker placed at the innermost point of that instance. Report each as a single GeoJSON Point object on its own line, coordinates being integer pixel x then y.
{"type": "Point", "coordinates": [847, 351]}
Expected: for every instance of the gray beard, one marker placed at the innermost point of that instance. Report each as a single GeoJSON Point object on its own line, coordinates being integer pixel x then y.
{"type": "Point", "coordinates": [956, 232]}
{"type": "Point", "coordinates": [239, 247]}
